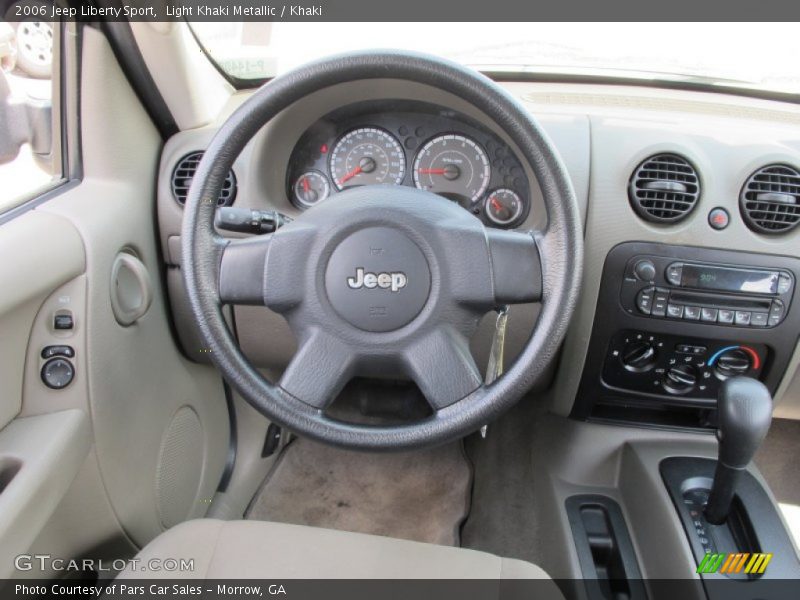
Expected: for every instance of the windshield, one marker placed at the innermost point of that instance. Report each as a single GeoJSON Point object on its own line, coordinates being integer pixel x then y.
{"type": "Point", "coordinates": [746, 55]}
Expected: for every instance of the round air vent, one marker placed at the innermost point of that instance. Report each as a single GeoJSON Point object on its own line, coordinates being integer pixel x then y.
{"type": "Point", "coordinates": [664, 188]}
{"type": "Point", "coordinates": [770, 199]}
{"type": "Point", "coordinates": [182, 176]}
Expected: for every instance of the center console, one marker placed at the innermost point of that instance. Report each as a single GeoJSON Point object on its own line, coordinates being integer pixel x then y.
{"type": "Point", "coordinates": [696, 339]}
{"type": "Point", "coordinates": [677, 321]}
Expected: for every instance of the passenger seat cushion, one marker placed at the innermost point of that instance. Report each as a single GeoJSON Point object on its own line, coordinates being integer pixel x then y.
{"type": "Point", "coordinates": [263, 550]}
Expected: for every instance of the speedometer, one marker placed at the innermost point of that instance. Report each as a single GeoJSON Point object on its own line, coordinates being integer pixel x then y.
{"type": "Point", "coordinates": [367, 156]}
{"type": "Point", "coordinates": [454, 166]}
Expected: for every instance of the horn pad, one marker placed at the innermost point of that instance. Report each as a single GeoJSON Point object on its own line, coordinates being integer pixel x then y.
{"type": "Point", "coordinates": [378, 279]}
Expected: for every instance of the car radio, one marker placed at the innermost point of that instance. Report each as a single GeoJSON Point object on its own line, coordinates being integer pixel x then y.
{"type": "Point", "coordinates": [718, 294]}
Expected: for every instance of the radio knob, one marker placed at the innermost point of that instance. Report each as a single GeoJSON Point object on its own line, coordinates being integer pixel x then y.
{"type": "Point", "coordinates": [645, 270]}
{"type": "Point", "coordinates": [733, 362]}
{"type": "Point", "coordinates": [639, 356]}
{"type": "Point", "coordinates": [680, 379]}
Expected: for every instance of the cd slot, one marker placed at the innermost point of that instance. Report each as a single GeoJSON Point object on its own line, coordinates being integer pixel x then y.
{"type": "Point", "coordinates": [720, 301]}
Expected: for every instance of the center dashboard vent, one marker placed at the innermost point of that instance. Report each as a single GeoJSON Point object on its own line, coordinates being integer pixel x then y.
{"type": "Point", "coordinates": [664, 188]}
{"type": "Point", "coordinates": [182, 176]}
{"type": "Point", "coordinates": [770, 199]}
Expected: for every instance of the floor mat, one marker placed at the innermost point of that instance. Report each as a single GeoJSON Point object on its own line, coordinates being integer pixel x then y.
{"type": "Point", "coordinates": [421, 495]}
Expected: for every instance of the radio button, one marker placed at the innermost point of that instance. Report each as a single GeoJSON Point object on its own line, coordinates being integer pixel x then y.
{"type": "Point", "coordinates": [742, 317]}
{"type": "Point", "coordinates": [775, 313]}
{"type": "Point", "coordinates": [725, 316]}
{"type": "Point", "coordinates": [660, 304]}
{"type": "Point", "coordinates": [644, 300]}
{"type": "Point", "coordinates": [708, 314]}
{"type": "Point", "coordinates": [673, 273]}
{"type": "Point", "coordinates": [784, 283]}
{"type": "Point", "coordinates": [759, 319]}
{"type": "Point", "coordinates": [674, 311]}
{"type": "Point", "coordinates": [692, 313]}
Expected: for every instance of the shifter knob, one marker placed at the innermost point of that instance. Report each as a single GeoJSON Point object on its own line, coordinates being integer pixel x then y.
{"type": "Point", "coordinates": [744, 409]}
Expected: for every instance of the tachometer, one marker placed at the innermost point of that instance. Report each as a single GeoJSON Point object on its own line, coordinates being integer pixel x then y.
{"type": "Point", "coordinates": [454, 166]}
{"type": "Point", "coordinates": [367, 156]}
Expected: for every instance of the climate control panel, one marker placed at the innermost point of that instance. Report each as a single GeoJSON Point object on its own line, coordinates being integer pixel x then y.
{"type": "Point", "coordinates": [684, 368]}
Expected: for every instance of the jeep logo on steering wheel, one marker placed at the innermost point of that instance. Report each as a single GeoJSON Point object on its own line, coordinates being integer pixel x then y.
{"type": "Point", "coordinates": [394, 281]}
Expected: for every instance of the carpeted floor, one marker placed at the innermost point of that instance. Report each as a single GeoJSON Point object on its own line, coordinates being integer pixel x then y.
{"type": "Point", "coordinates": [422, 496]}
{"type": "Point", "coordinates": [505, 516]}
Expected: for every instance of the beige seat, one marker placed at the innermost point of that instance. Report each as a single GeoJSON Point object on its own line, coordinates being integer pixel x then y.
{"type": "Point", "coordinates": [258, 549]}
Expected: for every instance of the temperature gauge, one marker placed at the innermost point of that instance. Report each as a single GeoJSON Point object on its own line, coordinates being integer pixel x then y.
{"type": "Point", "coordinates": [310, 188]}
{"type": "Point", "coordinates": [503, 206]}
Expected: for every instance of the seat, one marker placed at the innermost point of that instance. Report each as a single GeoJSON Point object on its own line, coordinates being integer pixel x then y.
{"type": "Point", "coordinates": [261, 550]}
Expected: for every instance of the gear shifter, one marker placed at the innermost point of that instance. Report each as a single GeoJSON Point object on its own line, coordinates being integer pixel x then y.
{"type": "Point", "coordinates": [745, 413]}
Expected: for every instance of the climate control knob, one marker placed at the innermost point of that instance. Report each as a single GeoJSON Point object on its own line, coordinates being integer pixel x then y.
{"type": "Point", "coordinates": [638, 356]}
{"type": "Point", "coordinates": [680, 379]}
{"type": "Point", "coordinates": [732, 363]}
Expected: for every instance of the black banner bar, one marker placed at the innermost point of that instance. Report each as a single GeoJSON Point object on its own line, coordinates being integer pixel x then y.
{"type": "Point", "coordinates": [397, 589]}
{"type": "Point", "coordinates": [443, 11]}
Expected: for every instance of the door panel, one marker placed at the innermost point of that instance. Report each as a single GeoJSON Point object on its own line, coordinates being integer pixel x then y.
{"type": "Point", "coordinates": [41, 455]}
{"type": "Point", "coordinates": [29, 272]}
{"type": "Point", "coordinates": [143, 434]}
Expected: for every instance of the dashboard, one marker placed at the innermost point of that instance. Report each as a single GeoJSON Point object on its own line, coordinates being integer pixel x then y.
{"type": "Point", "coordinates": [413, 144]}
{"type": "Point", "coordinates": [653, 171]}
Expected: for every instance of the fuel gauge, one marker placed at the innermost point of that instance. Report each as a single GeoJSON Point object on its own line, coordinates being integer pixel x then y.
{"type": "Point", "coordinates": [310, 188]}
{"type": "Point", "coordinates": [503, 206]}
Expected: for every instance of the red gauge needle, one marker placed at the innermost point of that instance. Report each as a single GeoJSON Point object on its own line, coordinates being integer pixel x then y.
{"type": "Point", "coordinates": [350, 175]}
{"type": "Point", "coordinates": [432, 171]}
{"type": "Point", "coordinates": [496, 204]}
{"type": "Point", "coordinates": [306, 185]}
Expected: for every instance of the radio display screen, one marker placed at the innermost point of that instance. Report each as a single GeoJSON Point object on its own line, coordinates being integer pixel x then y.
{"type": "Point", "coordinates": [732, 280]}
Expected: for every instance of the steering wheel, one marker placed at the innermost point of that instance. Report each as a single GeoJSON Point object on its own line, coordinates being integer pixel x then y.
{"type": "Point", "coordinates": [383, 279]}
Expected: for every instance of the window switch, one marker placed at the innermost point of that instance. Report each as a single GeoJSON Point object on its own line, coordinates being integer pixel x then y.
{"type": "Point", "coordinates": [51, 351]}
{"type": "Point", "coordinates": [63, 322]}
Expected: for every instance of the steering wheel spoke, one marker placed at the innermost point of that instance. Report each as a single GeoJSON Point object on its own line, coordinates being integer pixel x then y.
{"type": "Point", "coordinates": [319, 370]}
{"type": "Point", "coordinates": [242, 271]}
{"type": "Point", "coordinates": [516, 267]}
{"type": "Point", "coordinates": [442, 367]}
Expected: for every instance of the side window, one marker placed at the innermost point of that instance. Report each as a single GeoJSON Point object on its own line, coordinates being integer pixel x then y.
{"type": "Point", "coordinates": [30, 140]}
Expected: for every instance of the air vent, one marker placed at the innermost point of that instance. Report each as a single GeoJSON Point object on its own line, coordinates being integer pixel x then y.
{"type": "Point", "coordinates": [182, 180]}
{"type": "Point", "coordinates": [664, 188]}
{"type": "Point", "coordinates": [770, 199]}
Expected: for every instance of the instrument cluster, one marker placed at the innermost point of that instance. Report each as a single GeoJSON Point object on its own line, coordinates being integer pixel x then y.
{"type": "Point", "coordinates": [414, 144]}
